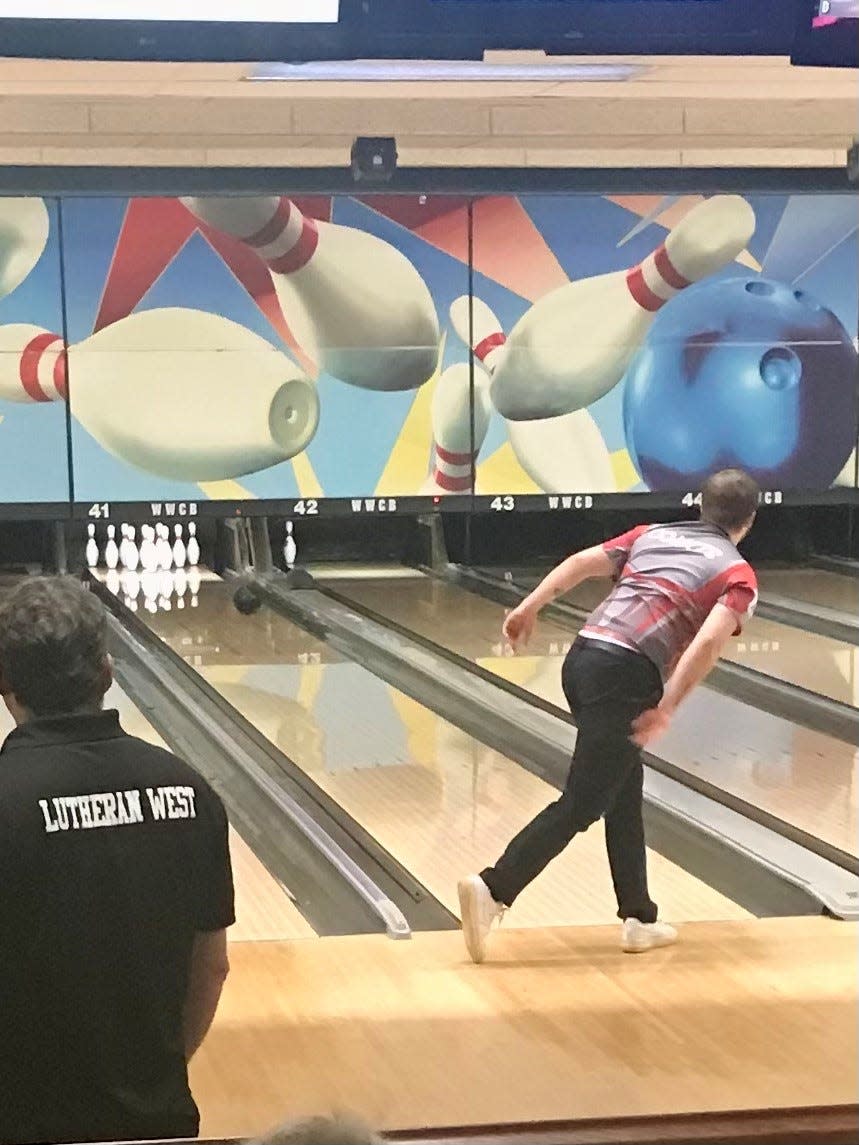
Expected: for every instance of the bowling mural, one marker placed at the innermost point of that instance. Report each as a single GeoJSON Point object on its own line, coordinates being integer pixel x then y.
{"type": "Point", "coordinates": [275, 349]}
{"type": "Point", "coordinates": [638, 343]}
{"type": "Point", "coordinates": [33, 450]}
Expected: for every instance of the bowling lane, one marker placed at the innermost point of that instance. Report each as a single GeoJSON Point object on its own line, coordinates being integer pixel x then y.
{"type": "Point", "coordinates": [804, 778]}
{"type": "Point", "coordinates": [264, 910]}
{"type": "Point", "coordinates": [816, 586]}
{"type": "Point", "coordinates": [436, 799]}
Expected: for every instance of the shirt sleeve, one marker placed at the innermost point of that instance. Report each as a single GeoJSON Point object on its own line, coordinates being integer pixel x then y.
{"type": "Point", "coordinates": [741, 594]}
{"type": "Point", "coordinates": [619, 548]}
{"type": "Point", "coordinates": [215, 896]}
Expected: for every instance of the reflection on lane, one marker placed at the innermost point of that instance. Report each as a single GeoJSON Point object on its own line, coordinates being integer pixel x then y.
{"type": "Point", "coordinates": [802, 777]}
{"type": "Point", "coordinates": [435, 798]}
{"type": "Point", "coordinates": [817, 586]}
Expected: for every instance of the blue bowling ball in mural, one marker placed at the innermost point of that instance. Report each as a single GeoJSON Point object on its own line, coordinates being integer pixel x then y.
{"type": "Point", "coordinates": [742, 372]}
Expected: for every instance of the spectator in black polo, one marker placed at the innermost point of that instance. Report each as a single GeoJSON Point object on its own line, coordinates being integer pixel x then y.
{"type": "Point", "coordinates": [115, 893]}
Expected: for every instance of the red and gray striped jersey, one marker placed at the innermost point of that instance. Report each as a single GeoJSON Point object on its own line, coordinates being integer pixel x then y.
{"type": "Point", "coordinates": [667, 580]}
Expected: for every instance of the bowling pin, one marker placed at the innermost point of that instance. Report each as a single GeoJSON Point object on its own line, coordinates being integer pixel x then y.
{"type": "Point", "coordinates": [124, 555]}
{"type": "Point", "coordinates": [113, 580]}
{"type": "Point", "coordinates": [207, 401]}
{"type": "Point", "coordinates": [575, 343]}
{"type": "Point", "coordinates": [179, 552]}
{"type": "Point", "coordinates": [290, 548]}
{"type": "Point", "coordinates": [477, 326]}
{"type": "Point", "coordinates": [148, 555]}
{"type": "Point", "coordinates": [91, 548]}
{"type": "Point", "coordinates": [354, 303]}
{"type": "Point", "coordinates": [24, 230]}
{"type": "Point", "coordinates": [454, 452]}
{"type": "Point", "coordinates": [565, 454]}
{"type": "Point", "coordinates": [111, 550]}
{"type": "Point", "coordinates": [192, 549]}
{"type": "Point", "coordinates": [164, 548]}
{"type": "Point", "coordinates": [132, 553]}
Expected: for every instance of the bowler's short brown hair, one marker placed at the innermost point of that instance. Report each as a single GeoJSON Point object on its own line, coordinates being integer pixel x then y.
{"type": "Point", "coordinates": [729, 499]}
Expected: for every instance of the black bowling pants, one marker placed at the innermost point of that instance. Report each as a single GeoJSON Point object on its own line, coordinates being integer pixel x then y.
{"type": "Point", "coordinates": [606, 687]}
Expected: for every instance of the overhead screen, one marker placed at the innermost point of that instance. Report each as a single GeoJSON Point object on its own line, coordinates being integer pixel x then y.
{"type": "Point", "coordinates": [176, 29]}
{"type": "Point", "coordinates": [304, 30]}
{"type": "Point", "coordinates": [254, 353]}
{"type": "Point", "coordinates": [265, 11]}
{"type": "Point", "coordinates": [637, 27]}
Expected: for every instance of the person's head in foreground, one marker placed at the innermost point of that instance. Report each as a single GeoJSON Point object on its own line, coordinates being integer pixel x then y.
{"type": "Point", "coordinates": [53, 649]}
{"type": "Point", "coordinates": [729, 499]}
{"type": "Point", "coordinates": [322, 1131]}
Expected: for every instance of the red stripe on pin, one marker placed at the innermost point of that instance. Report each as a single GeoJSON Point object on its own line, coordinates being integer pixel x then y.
{"type": "Point", "coordinates": [300, 254]}
{"type": "Point", "coordinates": [452, 484]}
{"type": "Point", "coordinates": [668, 271]}
{"type": "Point", "coordinates": [490, 343]}
{"type": "Point", "coordinates": [646, 298]}
{"type": "Point", "coordinates": [61, 375]}
{"type": "Point", "coordinates": [28, 368]}
{"type": "Point", "coordinates": [453, 458]}
{"type": "Point", "coordinates": [274, 228]}
{"type": "Point", "coordinates": [301, 251]}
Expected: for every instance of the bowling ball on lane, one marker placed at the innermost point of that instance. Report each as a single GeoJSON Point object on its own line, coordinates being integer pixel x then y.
{"type": "Point", "coordinates": [742, 372]}
{"type": "Point", "coordinates": [246, 600]}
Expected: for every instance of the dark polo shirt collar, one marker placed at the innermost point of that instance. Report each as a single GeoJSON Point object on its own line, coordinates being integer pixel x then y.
{"type": "Point", "coordinates": [55, 731]}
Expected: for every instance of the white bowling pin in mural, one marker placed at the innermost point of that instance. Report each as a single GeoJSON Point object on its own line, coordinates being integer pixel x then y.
{"type": "Point", "coordinates": [453, 454]}
{"type": "Point", "coordinates": [354, 303]}
{"type": "Point", "coordinates": [32, 364]}
{"type": "Point", "coordinates": [475, 323]}
{"type": "Point", "coordinates": [24, 230]}
{"type": "Point", "coordinates": [564, 454]}
{"type": "Point", "coordinates": [179, 393]}
{"type": "Point", "coordinates": [574, 344]}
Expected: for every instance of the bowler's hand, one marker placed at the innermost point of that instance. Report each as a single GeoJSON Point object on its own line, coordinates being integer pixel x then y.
{"type": "Point", "coordinates": [650, 725]}
{"type": "Point", "coordinates": [519, 624]}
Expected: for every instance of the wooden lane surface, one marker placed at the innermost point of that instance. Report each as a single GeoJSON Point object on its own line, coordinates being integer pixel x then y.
{"type": "Point", "coordinates": [437, 800]}
{"type": "Point", "coordinates": [797, 775]}
{"type": "Point", "coordinates": [264, 910]}
{"type": "Point", "coordinates": [558, 1024]}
